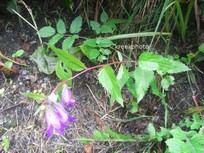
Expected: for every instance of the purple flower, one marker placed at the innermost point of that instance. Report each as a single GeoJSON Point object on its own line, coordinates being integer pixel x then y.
{"type": "Point", "coordinates": [57, 119]}
{"type": "Point", "coordinates": [67, 98]}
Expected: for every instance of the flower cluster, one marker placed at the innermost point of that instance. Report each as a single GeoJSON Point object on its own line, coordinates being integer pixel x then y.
{"type": "Point", "coordinates": [57, 117]}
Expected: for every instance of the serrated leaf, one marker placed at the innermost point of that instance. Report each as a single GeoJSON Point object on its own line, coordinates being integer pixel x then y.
{"type": "Point", "coordinates": [155, 89]}
{"type": "Point", "coordinates": [46, 31]}
{"type": "Point", "coordinates": [110, 83]}
{"type": "Point", "coordinates": [68, 59]}
{"type": "Point", "coordinates": [95, 26]}
{"type": "Point", "coordinates": [178, 133]}
{"type": "Point", "coordinates": [39, 97]}
{"type": "Point", "coordinates": [175, 145]}
{"type": "Point", "coordinates": [68, 42]}
{"type": "Point", "coordinates": [55, 39]}
{"type": "Point", "coordinates": [105, 52]}
{"type": "Point", "coordinates": [63, 73]}
{"type": "Point", "coordinates": [151, 61]}
{"type": "Point", "coordinates": [76, 25]}
{"type": "Point", "coordinates": [122, 76]}
{"type": "Point", "coordinates": [143, 80]}
{"type": "Point", "coordinates": [151, 130]}
{"type": "Point", "coordinates": [104, 17]}
{"type": "Point", "coordinates": [61, 27]}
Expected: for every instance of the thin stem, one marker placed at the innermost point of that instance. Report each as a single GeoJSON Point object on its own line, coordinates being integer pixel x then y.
{"type": "Point", "coordinates": [86, 70]}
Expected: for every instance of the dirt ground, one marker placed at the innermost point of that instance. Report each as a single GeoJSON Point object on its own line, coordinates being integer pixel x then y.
{"type": "Point", "coordinates": [26, 132]}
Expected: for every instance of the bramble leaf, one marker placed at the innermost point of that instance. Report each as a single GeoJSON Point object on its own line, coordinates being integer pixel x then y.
{"type": "Point", "coordinates": [110, 83]}
{"type": "Point", "coordinates": [143, 79]}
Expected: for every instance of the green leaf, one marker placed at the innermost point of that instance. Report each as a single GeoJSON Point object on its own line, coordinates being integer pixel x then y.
{"type": "Point", "coordinates": [115, 135]}
{"type": "Point", "coordinates": [63, 73]}
{"type": "Point", "coordinates": [143, 79]}
{"type": "Point", "coordinates": [38, 97]}
{"type": "Point", "coordinates": [104, 17]}
{"type": "Point", "coordinates": [101, 135]}
{"type": "Point", "coordinates": [122, 76]}
{"type": "Point", "coordinates": [155, 89]}
{"type": "Point", "coordinates": [106, 29]}
{"type": "Point", "coordinates": [61, 27]}
{"type": "Point", "coordinates": [201, 48]}
{"type": "Point", "coordinates": [5, 143]}
{"type": "Point", "coordinates": [55, 39]}
{"type": "Point", "coordinates": [93, 54]}
{"type": "Point", "coordinates": [46, 64]}
{"type": "Point", "coordinates": [166, 82]}
{"type": "Point", "coordinates": [178, 133]}
{"type": "Point", "coordinates": [68, 42]}
{"type": "Point", "coordinates": [134, 108]}
{"type": "Point", "coordinates": [105, 51]}
{"type": "Point", "coordinates": [68, 59]}
{"type": "Point", "coordinates": [76, 25]}
{"type": "Point", "coordinates": [95, 26]}
{"type": "Point", "coordinates": [104, 42]}
{"type": "Point", "coordinates": [46, 31]}
{"type": "Point", "coordinates": [90, 42]}
{"type": "Point", "coordinates": [18, 53]}
{"type": "Point", "coordinates": [175, 145]}
{"type": "Point", "coordinates": [151, 61]}
{"type": "Point", "coordinates": [110, 83]}
{"type": "Point", "coordinates": [151, 130]}
{"type": "Point", "coordinates": [8, 64]}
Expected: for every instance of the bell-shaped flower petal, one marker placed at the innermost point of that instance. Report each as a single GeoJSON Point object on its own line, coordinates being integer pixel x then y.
{"type": "Point", "coordinates": [53, 122]}
{"type": "Point", "coordinates": [67, 97]}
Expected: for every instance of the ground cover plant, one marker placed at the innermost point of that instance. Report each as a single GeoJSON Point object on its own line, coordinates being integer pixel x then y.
{"type": "Point", "coordinates": [130, 77]}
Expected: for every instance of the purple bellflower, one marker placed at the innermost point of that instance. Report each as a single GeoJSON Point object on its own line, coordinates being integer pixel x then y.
{"type": "Point", "coordinates": [57, 117]}
{"type": "Point", "coordinates": [67, 98]}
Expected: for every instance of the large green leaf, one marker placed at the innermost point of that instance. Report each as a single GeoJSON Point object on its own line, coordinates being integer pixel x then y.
{"type": "Point", "coordinates": [68, 59]}
{"type": "Point", "coordinates": [45, 63]}
{"type": "Point", "coordinates": [143, 79]}
{"type": "Point", "coordinates": [110, 83]}
{"type": "Point", "coordinates": [76, 25]}
{"type": "Point", "coordinates": [151, 61]}
{"type": "Point", "coordinates": [46, 31]}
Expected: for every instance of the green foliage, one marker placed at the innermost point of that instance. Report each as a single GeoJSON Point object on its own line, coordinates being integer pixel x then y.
{"type": "Point", "coordinates": [180, 18]}
{"type": "Point", "coordinates": [110, 83]}
{"type": "Point", "coordinates": [38, 97]}
{"type": "Point", "coordinates": [176, 139]}
{"type": "Point", "coordinates": [5, 143]}
{"type": "Point", "coordinates": [106, 26]}
{"type": "Point", "coordinates": [108, 135]}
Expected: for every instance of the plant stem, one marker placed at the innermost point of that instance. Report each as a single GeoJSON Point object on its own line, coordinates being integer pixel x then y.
{"type": "Point", "coordinates": [86, 70]}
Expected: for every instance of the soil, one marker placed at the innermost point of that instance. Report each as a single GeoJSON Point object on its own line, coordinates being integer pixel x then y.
{"type": "Point", "coordinates": [26, 131]}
